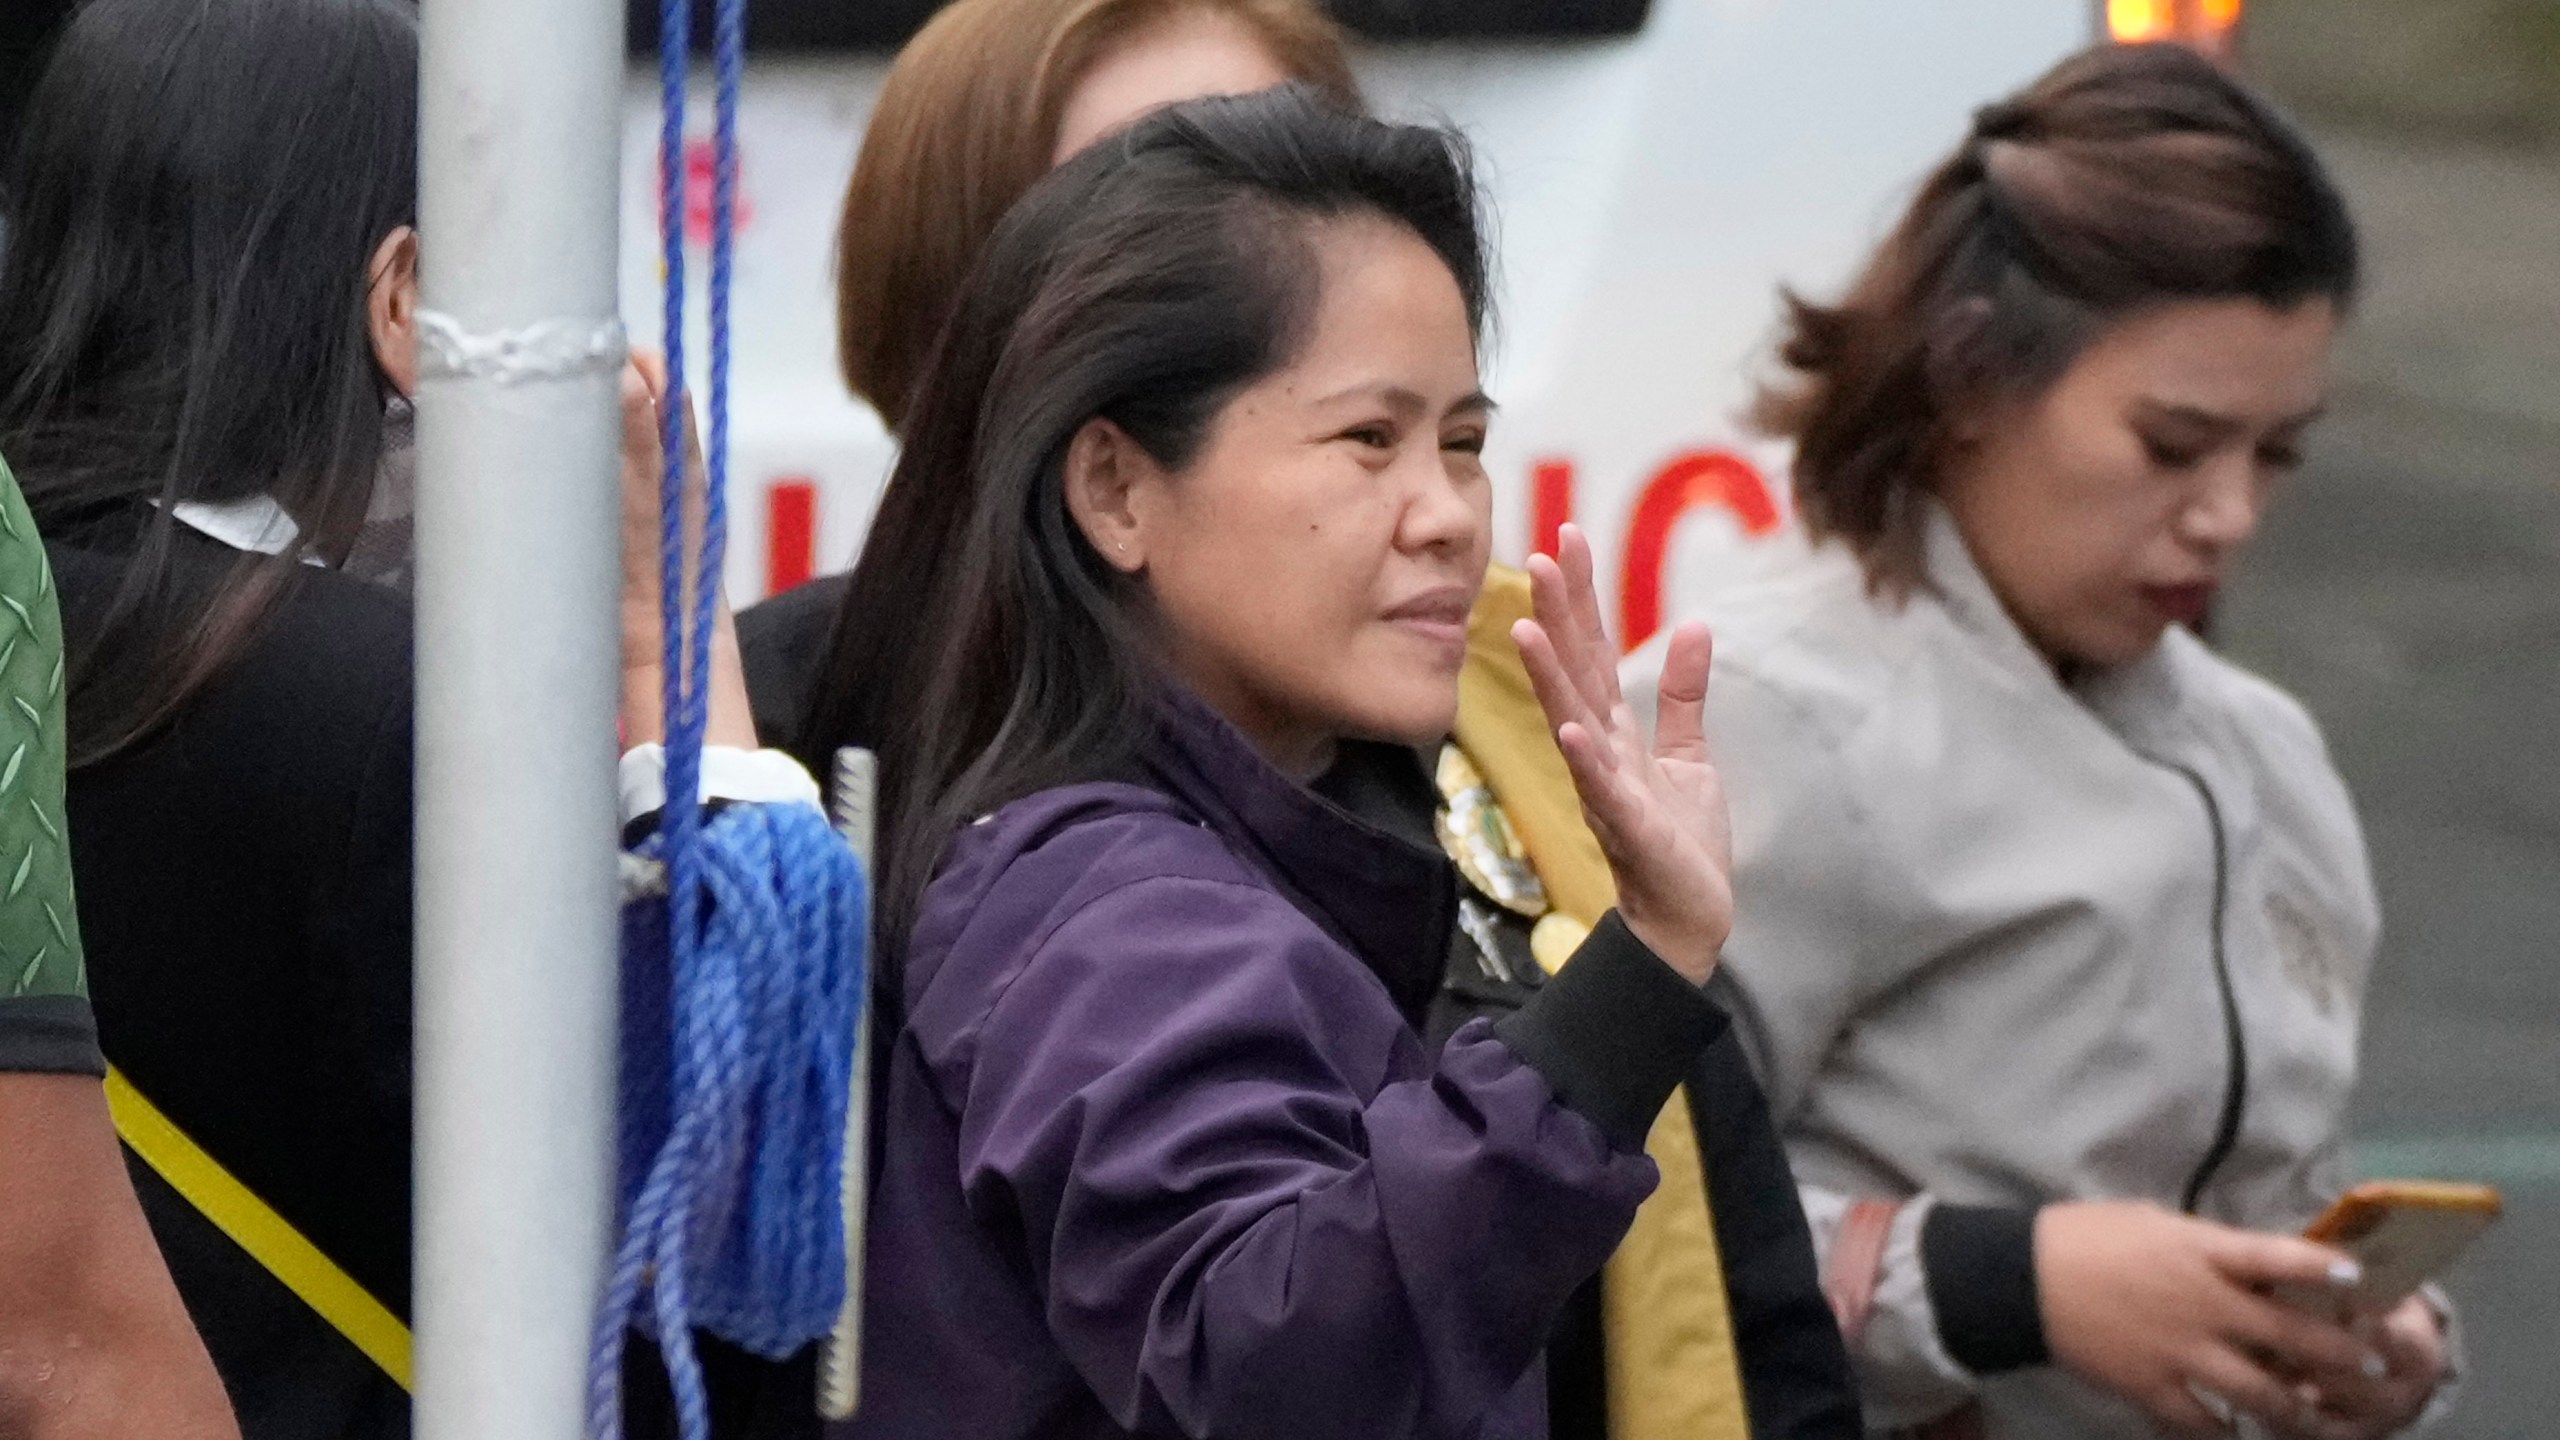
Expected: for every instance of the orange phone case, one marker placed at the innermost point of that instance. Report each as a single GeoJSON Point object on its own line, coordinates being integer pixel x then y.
{"type": "Point", "coordinates": [2405, 1232]}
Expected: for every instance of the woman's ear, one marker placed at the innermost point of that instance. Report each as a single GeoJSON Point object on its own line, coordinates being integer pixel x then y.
{"type": "Point", "coordinates": [1106, 475]}
{"type": "Point", "coordinates": [391, 308]}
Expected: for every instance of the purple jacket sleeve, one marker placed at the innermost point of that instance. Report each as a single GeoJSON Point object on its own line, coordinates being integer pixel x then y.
{"type": "Point", "coordinates": [1252, 1203]}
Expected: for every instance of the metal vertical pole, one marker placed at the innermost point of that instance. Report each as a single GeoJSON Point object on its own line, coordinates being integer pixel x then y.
{"type": "Point", "coordinates": [518, 669]}
{"type": "Point", "coordinates": [857, 810]}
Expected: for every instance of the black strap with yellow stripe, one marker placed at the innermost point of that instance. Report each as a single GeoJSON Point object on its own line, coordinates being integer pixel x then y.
{"type": "Point", "coordinates": [255, 1227]}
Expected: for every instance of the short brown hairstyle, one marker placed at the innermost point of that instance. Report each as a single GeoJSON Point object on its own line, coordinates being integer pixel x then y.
{"type": "Point", "coordinates": [967, 120]}
{"type": "Point", "coordinates": [2129, 176]}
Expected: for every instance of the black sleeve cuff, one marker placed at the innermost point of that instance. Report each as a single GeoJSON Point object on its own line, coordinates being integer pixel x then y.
{"type": "Point", "coordinates": [49, 1035]}
{"type": "Point", "coordinates": [1980, 1263]}
{"type": "Point", "coordinates": [1615, 1033]}
{"type": "Point", "coordinates": [637, 830]}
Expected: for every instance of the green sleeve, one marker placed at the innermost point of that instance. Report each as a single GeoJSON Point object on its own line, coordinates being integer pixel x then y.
{"type": "Point", "coordinates": [39, 927]}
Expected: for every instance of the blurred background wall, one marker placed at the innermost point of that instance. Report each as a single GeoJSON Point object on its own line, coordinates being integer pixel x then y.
{"type": "Point", "coordinates": [2408, 589]}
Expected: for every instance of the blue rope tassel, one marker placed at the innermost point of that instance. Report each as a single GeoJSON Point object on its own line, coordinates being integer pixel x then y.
{"type": "Point", "coordinates": [732, 1139]}
{"type": "Point", "coordinates": [742, 993]}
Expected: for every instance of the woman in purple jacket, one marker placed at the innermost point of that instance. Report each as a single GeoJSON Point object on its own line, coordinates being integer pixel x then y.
{"type": "Point", "coordinates": [1191, 501]}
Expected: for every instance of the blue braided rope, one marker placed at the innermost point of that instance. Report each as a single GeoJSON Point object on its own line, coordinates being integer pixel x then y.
{"type": "Point", "coordinates": [736, 1222]}
{"type": "Point", "coordinates": [743, 992]}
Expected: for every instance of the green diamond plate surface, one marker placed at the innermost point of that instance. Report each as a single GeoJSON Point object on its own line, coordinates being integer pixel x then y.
{"type": "Point", "coordinates": [39, 929]}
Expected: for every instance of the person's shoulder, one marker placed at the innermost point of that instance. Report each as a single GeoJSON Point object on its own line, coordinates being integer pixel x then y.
{"type": "Point", "coordinates": [797, 618]}
{"type": "Point", "coordinates": [2274, 739]}
{"type": "Point", "coordinates": [20, 549]}
{"type": "Point", "coordinates": [315, 605]}
{"type": "Point", "coordinates": [336, 643]}
{"type": "Point", "coordinates": [1806, 645]}
{"type": "Point", "coordinates": [325, 673]}
{"type": "Point", "coordinates": [781, 642]}
{"type": "Point", "coordinates": [1059, 849]}
{"type": "Point", "coordinates": [1046, 866]}
{"type": "Point", "coordinates": [2250, 710]}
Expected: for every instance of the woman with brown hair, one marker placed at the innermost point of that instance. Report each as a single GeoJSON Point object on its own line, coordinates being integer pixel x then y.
{"type": "Point", "coordinates": [985, 100]}
{"type": "Point", "coordinates": [981, 103]}
{"type": "Point", "coordinates": [2054, 924]}
{"type": "Point", "coordinates": [1708, 1324]}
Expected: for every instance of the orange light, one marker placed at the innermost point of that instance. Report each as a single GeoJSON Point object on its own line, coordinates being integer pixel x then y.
{"type": "Point", "coordinates": [2133, 21]}
{"type": "Point", "coordinates": [2206, 24]}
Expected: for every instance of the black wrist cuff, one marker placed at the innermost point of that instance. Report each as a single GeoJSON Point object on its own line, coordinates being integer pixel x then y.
{"type": "Point", "coordinates": [49, 1035]}
{"type": "Point", "coordinates": [1615, 1033]}
{"type": "Point", "coordinates": [1980, 1264]}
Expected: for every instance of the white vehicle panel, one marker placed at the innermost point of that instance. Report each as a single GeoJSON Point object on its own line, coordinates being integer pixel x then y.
{"type": "Point", "coordinates": [1650, 196]}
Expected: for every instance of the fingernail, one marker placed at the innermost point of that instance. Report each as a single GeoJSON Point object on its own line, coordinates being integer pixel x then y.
{"type": "Point", "coordinates": [2345, 1274]}
{"type": "Point", "coordinates": [2375, 1368]}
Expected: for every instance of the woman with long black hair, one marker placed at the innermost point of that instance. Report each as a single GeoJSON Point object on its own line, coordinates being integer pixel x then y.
{"type": "Point", "coordinates": [1708, 1323]}
{"type": "Point", "coordinates": [207, 311]}
{"type": "Point", "coordinates": [208, 338]}
{"type": "Point", "coordinates": [1190, 507]}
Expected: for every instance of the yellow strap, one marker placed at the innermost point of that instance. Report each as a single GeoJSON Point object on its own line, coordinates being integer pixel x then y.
{"type": "Point", "coordinates": [1673, 1367]}
{"type": "Point", "coordinates": [257, 1228]}
{"type": "Point", "coordinates": [1673, 1373]}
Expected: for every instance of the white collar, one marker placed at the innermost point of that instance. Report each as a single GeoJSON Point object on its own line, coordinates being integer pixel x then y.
{"type": "Point", "coordinates": [1957, 581]}
{"type": "Point", "coordinates": [254, 523]}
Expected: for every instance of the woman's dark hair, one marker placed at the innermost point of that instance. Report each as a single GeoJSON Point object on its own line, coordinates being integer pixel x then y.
{"type": "Point", "coordinates": [984, 651]}
{"type": "Point", "coordinates": [2130, 176]}
{"type": "Point", "coordinates": [197, 189]}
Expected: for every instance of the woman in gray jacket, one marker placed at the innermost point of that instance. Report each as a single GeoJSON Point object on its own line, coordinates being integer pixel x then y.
{"type": "Point", "coordinates": [2054, 925]}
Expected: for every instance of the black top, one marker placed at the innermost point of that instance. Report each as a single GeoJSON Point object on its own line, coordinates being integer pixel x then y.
{"type": "Point", "coordinates": [1796, 1381]}
{"type": "Point", "coordinates": [244, 889]}
{"type": "Point", "coordinates": [782, 641]}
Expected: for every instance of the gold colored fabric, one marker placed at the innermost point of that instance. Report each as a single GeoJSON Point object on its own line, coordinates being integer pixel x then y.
{"type": "Point", "coordinates": [1554, 938]}
{"type": "Point", "coordinates": [1673, 1374]}
{"type": "Point", "coordinates": [1505, 733]}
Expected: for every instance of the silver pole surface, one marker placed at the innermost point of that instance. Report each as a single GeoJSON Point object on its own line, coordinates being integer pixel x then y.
{"type": "Point", "coordinates": [518, 668]}
{"type": "Point", "coordinates": [857, 808]}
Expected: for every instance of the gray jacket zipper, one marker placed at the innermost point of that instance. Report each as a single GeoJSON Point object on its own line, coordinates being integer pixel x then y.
{"type": "Point", "coordinates": [2226, 1130]}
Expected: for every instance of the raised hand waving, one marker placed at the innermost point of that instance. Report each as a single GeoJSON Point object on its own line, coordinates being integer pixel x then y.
{"type": "Point", "coordinates": [1657, 810]}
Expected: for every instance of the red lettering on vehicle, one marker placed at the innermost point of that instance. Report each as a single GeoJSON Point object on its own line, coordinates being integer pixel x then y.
{"type": "Point", "coordinates": [790, 532]}
{"type": "Point", "coordinates": [1550, 503]}
{"type": "Point", "coordinates": [1689, 481]}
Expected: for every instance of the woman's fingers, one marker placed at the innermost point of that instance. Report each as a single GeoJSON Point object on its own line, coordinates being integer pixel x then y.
{"type": "Point", "coordinates": [1598, 784]}
{"type": "Point", "coordinates": [650, 365]}
{"type": "Point", "coordinates": [1558, 695]}
{"type": "Point", "coordinates": [2327, 1356]}
{"type": "Point", "coordinates": [1573, 556]}
{"type": "Point", "coordinates": [1680, 698]}
{"type": "Point", "coordinates": [1574, 647]}
{"type": "Point", "coordinates": [2247, 1386]}
{"type": "Point", "coordinates": [2412, 1338]}
{"type": "Point", "coordinates": [639, 416]}
{"type": "Point", "coordinates": [2302, 1342]}
{"type": "Point", "coordinates": [2253, 1260]}
{"type": "Point", "coordinates": [2179, 1411]}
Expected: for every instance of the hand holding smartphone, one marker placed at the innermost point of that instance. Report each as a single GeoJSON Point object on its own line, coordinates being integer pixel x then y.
{"type": "Point", "coordinates": [2403, 1233]}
